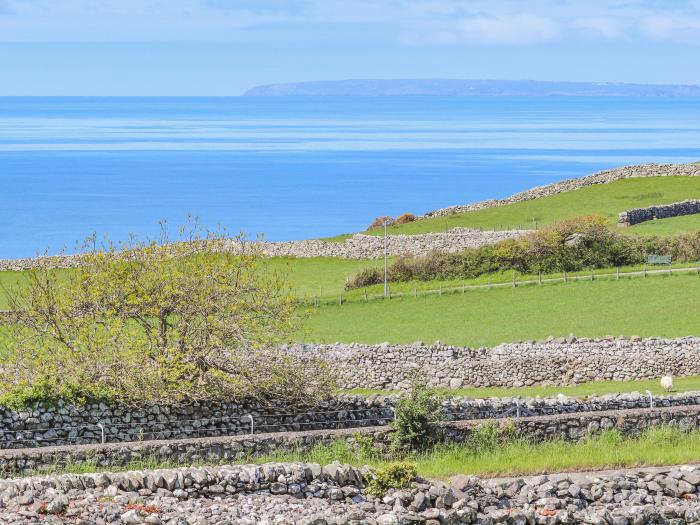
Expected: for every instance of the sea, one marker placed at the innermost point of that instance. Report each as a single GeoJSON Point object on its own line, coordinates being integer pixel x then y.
{"type": "Point", "coordinates": [294, 167]}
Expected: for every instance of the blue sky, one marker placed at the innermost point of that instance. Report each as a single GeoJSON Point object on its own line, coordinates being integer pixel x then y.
{"type": "Point", "coordinates": [222, 47]}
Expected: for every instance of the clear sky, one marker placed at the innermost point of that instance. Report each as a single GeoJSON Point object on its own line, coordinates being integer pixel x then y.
{"type": "Point", "coordinates": [222, 47]}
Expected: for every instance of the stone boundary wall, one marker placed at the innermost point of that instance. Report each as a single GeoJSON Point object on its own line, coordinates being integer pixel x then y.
{"type": "Point", "coordinates": [602, 177]}
{"type": "Point", "coordinates": [561, 361]}
{"type": "Point", "coordinates": [64, 424]}
{"type": "Point", "coordinates": [45, 426]}
{"type": "Point", "coordinates": [243, 448]}
{"type": "Point", "coordinates": [660, 211]}
{"type": "Point", "coordinates": [359, 246]}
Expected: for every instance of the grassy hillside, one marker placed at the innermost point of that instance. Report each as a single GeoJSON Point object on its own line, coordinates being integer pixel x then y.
{"type": "Point", "coordinates": [660, 306]}
{"type": "Point", "coordinates": [606, 199]}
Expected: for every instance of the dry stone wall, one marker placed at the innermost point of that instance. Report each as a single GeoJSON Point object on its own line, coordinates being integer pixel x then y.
{"type": "Point", "coordinates": [602, 177]}
{"type": "Point", "coordinates": [243, 448]}
{"type": "Point", "coordinates": [47, 426]}
{"type": "Point", "coordinates": [660, 211]}
{"type": "Point", "coordinates": [63, 424]}
{"type": "Point", "coordinates": [561, 361]}
{"type": "Point", "coordinates": [358, 246]}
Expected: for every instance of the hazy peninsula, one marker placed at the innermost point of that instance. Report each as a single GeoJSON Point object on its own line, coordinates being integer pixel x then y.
{"type": "Point", "coordinates": [448, 87]}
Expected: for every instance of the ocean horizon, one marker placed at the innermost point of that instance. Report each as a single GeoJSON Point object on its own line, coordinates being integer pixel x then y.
{"type": "Point", "coordinates": [302, 167]}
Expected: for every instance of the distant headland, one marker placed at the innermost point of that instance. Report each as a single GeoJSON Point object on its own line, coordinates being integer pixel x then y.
{"type": "Point", "coordinates": [495, 88]}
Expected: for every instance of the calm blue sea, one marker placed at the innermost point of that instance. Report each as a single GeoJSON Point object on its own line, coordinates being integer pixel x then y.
{"type": "Point", "coordinates": [302, 167]}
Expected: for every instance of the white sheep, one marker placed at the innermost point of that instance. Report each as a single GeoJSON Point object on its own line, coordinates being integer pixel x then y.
{"type": "Point", "coordinates": [667, 383]}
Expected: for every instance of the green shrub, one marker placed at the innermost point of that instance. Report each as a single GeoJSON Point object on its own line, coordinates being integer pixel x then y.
{"type": "Point", "coordinates": [394, 475]}
{"type": "Point", "coordinates": [366, 450]}
{"type": "Point", "coordinates": [365, 277]}
{"type": "Point", "coordinates": [490, 436]}
{"type": "Point", "coordinates": [418, 417]}
{"type": "Point", "coordinates": [575, 244]}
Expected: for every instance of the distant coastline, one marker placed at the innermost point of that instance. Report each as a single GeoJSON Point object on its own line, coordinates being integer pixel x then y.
{"type": "Point", "coordinates": [447, 87]}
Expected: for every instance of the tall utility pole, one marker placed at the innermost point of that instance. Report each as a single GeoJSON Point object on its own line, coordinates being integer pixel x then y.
{"type": "Point", "coordinates": [386, 284]}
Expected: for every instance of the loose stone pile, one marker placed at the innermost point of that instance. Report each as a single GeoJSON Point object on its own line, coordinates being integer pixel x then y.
{"type": "Point", "coordinates": [659, 211]}
{"type": "Point", "coordinates": [602, 177]}
{"type": "Point", "coordinates": [556, 361]}
{"type": "Point", "coordinates": [313, 495]}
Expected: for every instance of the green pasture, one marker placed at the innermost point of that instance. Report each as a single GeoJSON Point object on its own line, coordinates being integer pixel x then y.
{"type": "Point", "coordinates": [603, 199]}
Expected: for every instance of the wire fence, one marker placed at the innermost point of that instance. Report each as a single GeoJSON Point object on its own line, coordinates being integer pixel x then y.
{"type": "Point", "coordinates": [517, 280]}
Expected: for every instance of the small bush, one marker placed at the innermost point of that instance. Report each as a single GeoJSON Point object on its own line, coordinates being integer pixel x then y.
{"type": "Point", "coordinates": [379, 222]}
{"type": "Point", "coordinates": [405, 219]}
{"type": "Point", "coordinates": [418, 417]}
{"type": "Point", "coordinates": [365, 277]}
{"type": "Point", "coordinates": [394, 475]}
{"type": "Point", "coordinates": [365, 449]}
{"type": "Point", "coordinates": [491, 436]}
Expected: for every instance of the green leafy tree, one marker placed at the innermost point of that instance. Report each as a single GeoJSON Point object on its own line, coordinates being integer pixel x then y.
{"type": "Point", "coordinates": [201, 318]}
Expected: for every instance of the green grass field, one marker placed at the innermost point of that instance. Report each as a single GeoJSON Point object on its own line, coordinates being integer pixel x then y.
{"type": "Point", "coordinates": [656, 446]}
{"type": "Point", "coordinates": [593, 388]}
{"type": "Point", "coordinates": [659, 306]}
{"type": "Point", "coordinates": [605, 199]}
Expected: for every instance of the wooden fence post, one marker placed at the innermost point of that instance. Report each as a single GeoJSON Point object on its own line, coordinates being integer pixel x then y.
{"type": "Point", "coordinates": [539, 278]}
{"type": "Point", "coordinates": [514, 279]}
{"type": "Point", "coordinates": [617, 273]}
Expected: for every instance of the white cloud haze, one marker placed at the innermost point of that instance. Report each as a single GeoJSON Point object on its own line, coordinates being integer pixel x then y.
{"type": "Point", "coordinates": [440, 21]}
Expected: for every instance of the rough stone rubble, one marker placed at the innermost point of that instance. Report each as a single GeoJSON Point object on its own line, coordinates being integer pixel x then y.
{"type": "Point", "coordinates": [312, 494]}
